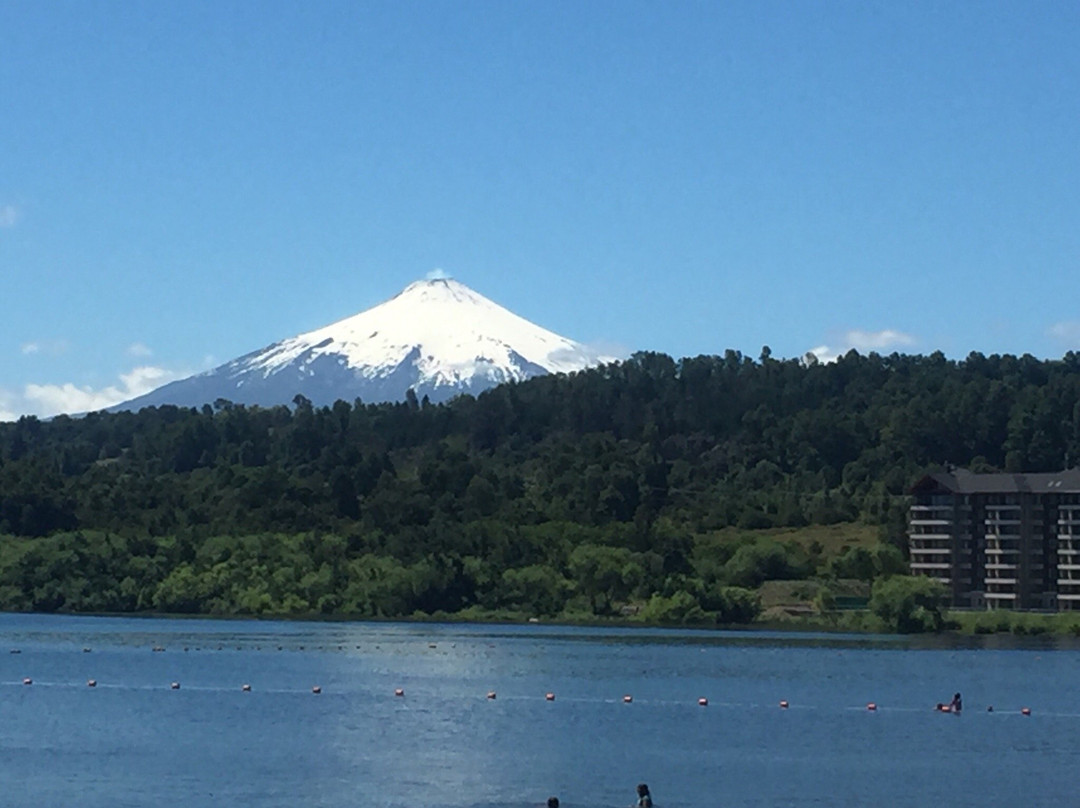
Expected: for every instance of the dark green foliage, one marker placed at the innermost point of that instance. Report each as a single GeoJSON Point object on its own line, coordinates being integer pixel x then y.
{"type": "Point", "coordinates": [909, 604]}
{"type": "Point", "coordinates": [868, 564]}
{"type": "Point", "coordinates": [559, 495]}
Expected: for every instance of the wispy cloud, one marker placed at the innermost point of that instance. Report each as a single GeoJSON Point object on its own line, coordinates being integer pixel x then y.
{"type": "Point", "coordinates": [1067, 333]}
{"type": "Point", "coordinates": [592, 353]}
{"type": "Point", "coordinates": [606, 351]}
{"type": "Point", "coordinates": [6, 403]}
{"type": "Point", "coordinates": [438, 274]}
{"type": "Point", "coordinates": [823, 353]}
{"type": "Point", "coordinates": [45, 400]}
{"type": "Point", "coordinates": [139, 349]}
{"type": "Point", "coordinates": [9, 215]}
{"type": "Point", "coordinates": [48, 347]}
{"type": "Point", "coordinates": [864, 342]}
{"type": "Point", "coordinates": [877, 340]}
{"type": "Point", "coordinates": [52, 399]}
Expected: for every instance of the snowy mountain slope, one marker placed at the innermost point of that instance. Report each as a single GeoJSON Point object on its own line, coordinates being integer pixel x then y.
{"type": "Point", "coordinates": [438, 337]}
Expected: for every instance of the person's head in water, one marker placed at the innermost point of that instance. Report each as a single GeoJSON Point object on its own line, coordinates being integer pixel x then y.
{"type": "Point", "coordinates": [644, 797]}
{"type": "Point", "coordinates": [553, 802]}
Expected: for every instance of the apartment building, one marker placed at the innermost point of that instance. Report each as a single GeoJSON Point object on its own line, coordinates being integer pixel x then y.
{"type": "Point", "coordinates": [999, 541]}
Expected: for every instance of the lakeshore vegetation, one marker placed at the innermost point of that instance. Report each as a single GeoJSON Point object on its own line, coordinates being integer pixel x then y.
{"type": "Point", "coordinates": [655, 490]}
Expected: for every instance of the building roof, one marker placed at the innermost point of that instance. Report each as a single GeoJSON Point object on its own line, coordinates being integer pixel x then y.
{"type": "Point", "coordinates": [962, 481]}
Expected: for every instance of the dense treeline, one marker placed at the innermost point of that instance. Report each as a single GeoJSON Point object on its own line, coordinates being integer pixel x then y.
{"type": "Point", "coordinates": [576, 492]}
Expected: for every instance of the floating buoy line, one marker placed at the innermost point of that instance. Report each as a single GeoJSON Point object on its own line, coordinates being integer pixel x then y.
{"type": "Point", "coordinates": [491, 695]}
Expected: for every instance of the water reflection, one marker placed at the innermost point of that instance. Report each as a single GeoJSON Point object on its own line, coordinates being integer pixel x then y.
{"type": "Point", "coordinates": [132, 740]}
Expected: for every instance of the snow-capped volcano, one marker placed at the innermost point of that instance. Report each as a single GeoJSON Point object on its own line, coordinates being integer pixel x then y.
{"type": "Point", "coordinates": [437, 337]}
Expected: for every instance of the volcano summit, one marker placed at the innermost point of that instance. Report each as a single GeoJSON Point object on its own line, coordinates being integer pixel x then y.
{"type": "Point", "coordinates": [437, 337]}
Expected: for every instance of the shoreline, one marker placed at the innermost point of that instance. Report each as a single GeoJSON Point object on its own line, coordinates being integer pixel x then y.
{"type": "Point", "coordinates": [960, 625]}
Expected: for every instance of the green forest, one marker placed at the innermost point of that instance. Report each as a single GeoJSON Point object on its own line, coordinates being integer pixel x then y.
{"type": "Point", "coordinates": [657, 489]}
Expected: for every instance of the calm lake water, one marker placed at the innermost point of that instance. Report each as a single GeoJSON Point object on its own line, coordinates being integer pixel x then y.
{"type": "Point", "coordinates": [133, 741]}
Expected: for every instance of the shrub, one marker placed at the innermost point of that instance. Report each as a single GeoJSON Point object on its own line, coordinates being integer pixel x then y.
{"type": "Point", "coordinates": [909, 604]}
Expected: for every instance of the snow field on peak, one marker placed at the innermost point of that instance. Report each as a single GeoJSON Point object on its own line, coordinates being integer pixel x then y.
{"type": "Point", "coordinates": [458, 334]}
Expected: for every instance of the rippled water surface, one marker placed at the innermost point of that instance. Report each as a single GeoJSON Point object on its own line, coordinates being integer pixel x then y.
{"type": "Point", "coordinates": [133, 741]}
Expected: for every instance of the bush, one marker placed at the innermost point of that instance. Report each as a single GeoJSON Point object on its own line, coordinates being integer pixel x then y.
{"type": "Point", "coordinates": [909, 604]}
{"type": "Point", "coordinates": [824, 601]}
{"type": "Point", "coordinates": [737, 605]}
{"type": "Point", "coordinates": [682, 607]}
{"type": "Point", "coordinates": [753, 564]}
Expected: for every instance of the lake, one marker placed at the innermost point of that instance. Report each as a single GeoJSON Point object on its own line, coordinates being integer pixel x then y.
{"type": "Point", "coordinates": [134, 741]}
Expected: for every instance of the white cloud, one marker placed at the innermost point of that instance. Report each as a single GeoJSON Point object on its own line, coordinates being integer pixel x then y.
{"type": "Point", "coordinates": [438, 275]}
{"type": "Point", "coordinates": [52, 399]}
{"type": "Point", "coordinates": [824, 353]}
{"type": "Point", "coordinates": [605, 351]}
{"type": "Point", "coordinates": [138, 349]}
{"type": "Point", "coordinates": [863, 342]}
{"type": "Point", "coordinates": [876, 340]}
{"type": "Point", "coordinates": [1067, 333]}
{"type": "Point", "coordinates": [9, 215]}
{"type": "Point", "coordinates": [596, 352]}
{"type": "Point", "coordinates": [6, 401]}
{"type": "Point", "coordinates": [48, 347]}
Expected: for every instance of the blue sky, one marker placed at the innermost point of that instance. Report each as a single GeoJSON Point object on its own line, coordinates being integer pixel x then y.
{"type": "Point", "coordinates": [181, 183]}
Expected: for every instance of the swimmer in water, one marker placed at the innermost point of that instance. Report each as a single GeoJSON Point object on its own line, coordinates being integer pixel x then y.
{"type": "Point", "coordinates": [956, 705]}
{"type": "Point", "coordinates": [553, 802]}
{"type": "Point", "coordinates": [644, 797]}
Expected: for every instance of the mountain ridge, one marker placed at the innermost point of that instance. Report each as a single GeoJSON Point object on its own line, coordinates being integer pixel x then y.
{"type": "Point", "coordinates": [436, 337]}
